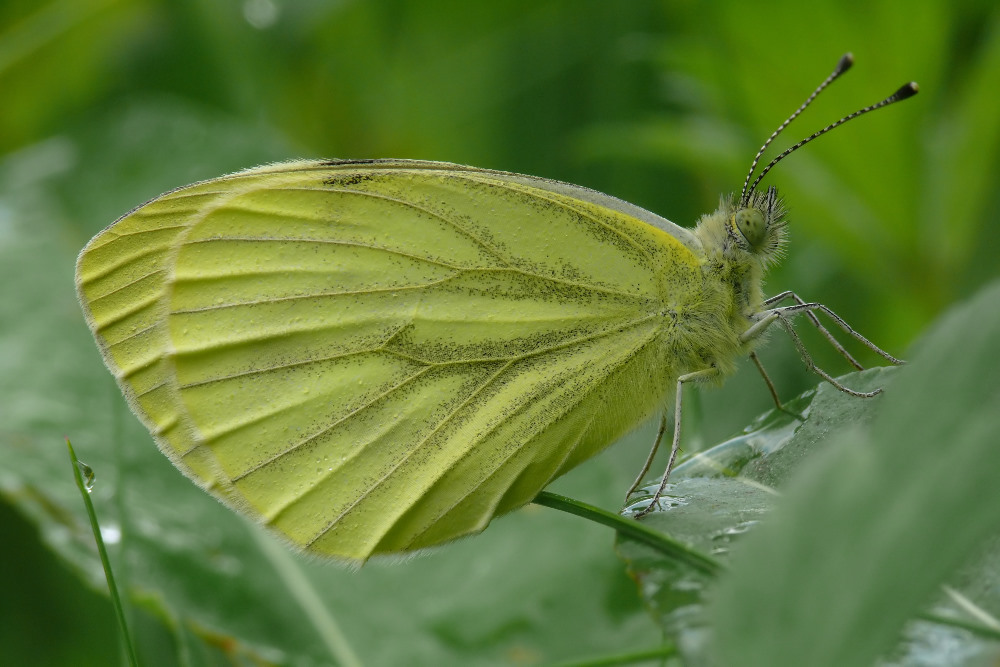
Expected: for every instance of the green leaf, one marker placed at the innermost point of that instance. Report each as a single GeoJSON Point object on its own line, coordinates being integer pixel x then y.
{"type": "Point", "coordinates": [722, 493]}
{"type": "Point", "coordinates": [868, 531]}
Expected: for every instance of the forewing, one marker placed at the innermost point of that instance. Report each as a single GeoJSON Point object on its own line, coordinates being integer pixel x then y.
{"type": "Point", "coordinates": [378, 357]}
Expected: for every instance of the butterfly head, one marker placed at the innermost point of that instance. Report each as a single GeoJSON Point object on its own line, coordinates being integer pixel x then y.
{"type": "Point", "coordinates": [745, 232]}
{"type": "Point", "coordinates": [757, 226]}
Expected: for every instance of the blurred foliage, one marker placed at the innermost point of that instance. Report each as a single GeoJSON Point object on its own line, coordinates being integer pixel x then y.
{"type": "Point", "coordinates": [894, 518]}
{"type": "Point", "coordinates": [110, 102]}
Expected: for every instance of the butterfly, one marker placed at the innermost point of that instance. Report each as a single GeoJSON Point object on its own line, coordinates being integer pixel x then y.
{"type": "Point", "coordinates": [379, 356]}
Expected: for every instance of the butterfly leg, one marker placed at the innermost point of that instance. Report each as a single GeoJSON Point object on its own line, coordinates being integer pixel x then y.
{"type": "Point", "coordinates": [778, 298]}
{"type": "Point", "coordinates": [799, 301]}
{"type": "Point", "coordinates": [783, 315]}
{"type": "Point", "coordinates": [675, 445]}
{"type": "Point", "coordinates": [767, 380]}
{"type": "Point", "coordinates": [770, 387]}
{"type": "Point", "coordinates": [649, 459]}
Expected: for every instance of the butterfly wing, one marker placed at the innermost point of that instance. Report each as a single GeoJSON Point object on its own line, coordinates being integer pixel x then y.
{"type": "Point", "coordinates": [376, 357]}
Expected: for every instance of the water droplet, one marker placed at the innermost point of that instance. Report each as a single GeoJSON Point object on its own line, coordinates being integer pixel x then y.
{"type": "Point", "coordinates": [725, 537]}
{"type": "Point", "coordinates": [88, 476]}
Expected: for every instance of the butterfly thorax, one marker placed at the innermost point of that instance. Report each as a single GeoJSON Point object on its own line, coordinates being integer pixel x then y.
{"type": "Point", "coordinates": [738, 244]}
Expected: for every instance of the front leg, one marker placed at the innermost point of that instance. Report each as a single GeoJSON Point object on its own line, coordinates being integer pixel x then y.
{"type": "Point", "coordinates": [783, 315]}
{"type": "Point", "coordinates": [697, 376]}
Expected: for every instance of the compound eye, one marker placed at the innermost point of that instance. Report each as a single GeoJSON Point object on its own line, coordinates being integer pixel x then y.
{"type": "Point", "coordinates": [752, 226]}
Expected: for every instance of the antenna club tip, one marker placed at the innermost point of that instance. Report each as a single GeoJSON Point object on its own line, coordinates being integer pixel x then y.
{"type": "Point", "coordinates": [909, 90]}
{"type": "Point", "coordinates": [845, 62]}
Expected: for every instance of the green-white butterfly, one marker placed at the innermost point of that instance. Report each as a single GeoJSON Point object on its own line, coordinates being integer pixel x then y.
{"type": "Point", "coordinates": [374, 357]}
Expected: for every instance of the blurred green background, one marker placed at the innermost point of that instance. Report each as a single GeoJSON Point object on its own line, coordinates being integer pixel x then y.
{"type": "Point", "coordinates": [107, 103]}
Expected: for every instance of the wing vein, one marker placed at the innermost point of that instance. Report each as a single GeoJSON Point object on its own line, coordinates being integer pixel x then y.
{"type": "Point", "coordinates": [319, 433]}
{"type": "Point", "coordinates": [566, 205]}
{"type": "Point", "coordinates": [499, 499]}
{"type": "Point", "coordinates": [486, 382]}
{"type": "Point", "coordinates": [447, 419]}
{"type": "Point", "coordinates": [380, 290]}
{"type": "Point", "coordinates": [131, 283]}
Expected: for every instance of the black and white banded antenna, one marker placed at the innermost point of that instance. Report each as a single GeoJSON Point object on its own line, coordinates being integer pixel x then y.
{"type": "Point", "coordinates": [843, 65]}
{"type": "Point", "coordinates": [904, 92]}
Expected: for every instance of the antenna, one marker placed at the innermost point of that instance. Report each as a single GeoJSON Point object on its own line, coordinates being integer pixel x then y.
{"type": "Point", "coordinates": [906, 91]}
{"type": "Point", "coordinates": [843, 65]}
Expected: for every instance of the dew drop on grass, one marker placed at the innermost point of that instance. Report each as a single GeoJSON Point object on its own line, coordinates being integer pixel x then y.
{"type": "Point", "coordinates": [88, 476]}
